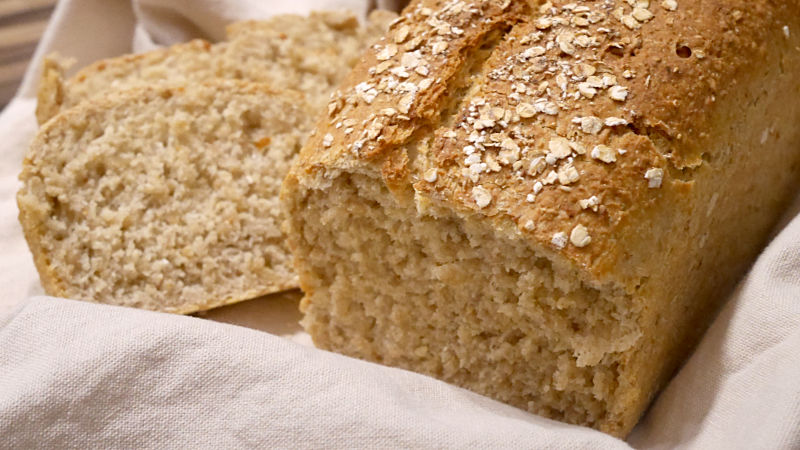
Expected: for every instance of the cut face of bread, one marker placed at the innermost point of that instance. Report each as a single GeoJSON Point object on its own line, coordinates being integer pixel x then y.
{"type": "Point", "coordinates": [193, 61]}
{"type": "Point", "coordinates": [164, 198]}
{"type": "Point", "coordinates": [309, 54]}
{"type": "Point", "coordinates": [448, 297]}
{"type": "Point", "coordinates": [546, 205]}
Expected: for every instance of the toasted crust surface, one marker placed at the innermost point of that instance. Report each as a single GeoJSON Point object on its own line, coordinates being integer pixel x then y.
{"type": "Point", "coordinates": [622, 146]}
{"type": "Point", "coordinates": [164, 198]}
{"type": "Point", "coordinates": [50, 95]}
{"type": "Point", "coordinates": [509, 79]}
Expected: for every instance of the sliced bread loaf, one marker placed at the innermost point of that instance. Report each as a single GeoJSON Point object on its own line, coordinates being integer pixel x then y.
{"type": "Point", "coordinates": [164, 198]}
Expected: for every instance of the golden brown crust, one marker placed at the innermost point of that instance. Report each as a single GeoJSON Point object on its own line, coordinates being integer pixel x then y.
{"type": "Point", "coordinates": [398, 110]}
{"type": "Point", "coordinates": [50, 93]}
{"type": "Point", "coordinates": [692, 56]}
{"type": "Point", "coordinates": [32, 226]}
{"type": "Point", "coordinates": [603, 75]}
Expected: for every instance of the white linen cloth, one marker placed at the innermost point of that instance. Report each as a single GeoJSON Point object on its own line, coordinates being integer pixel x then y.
{"type": "Point", "coordinates": [75, 374]}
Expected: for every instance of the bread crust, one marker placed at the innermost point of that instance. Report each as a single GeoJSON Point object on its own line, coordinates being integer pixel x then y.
{"type": "Point", "coordinates": [654, 135]}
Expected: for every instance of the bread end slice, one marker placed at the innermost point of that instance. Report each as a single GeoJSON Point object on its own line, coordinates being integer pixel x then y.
{"type": "Point", "coordinates": [164, 198]}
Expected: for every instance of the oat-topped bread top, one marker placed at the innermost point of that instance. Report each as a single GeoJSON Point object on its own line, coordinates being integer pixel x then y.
{"type": "Point", "coordinates": [309, 54]}
{"type": "Point", "coordinates": [555, 120]}
{"type": "Point", "coordinates": [164, 197]}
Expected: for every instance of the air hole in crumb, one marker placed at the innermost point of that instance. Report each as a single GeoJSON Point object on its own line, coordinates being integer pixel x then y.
{"type": "Point", "coordinates": [98, 171]}
{"type": "Point", "coordinates": [684, 51]}
{"type": "Point", "coordinates": [616, 49]}
{"type": "Point", "coordinates": [487, 335]}
{"type": "Point", "coordinates": [514, 337]}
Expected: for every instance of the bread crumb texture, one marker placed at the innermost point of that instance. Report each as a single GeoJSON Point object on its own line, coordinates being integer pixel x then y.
{"type": "Point", "coordinates": [164, 198]}
{"type": "Point", "coordinates": [544, 202]}
{"type": "Point", "coordinates": [308, 54]}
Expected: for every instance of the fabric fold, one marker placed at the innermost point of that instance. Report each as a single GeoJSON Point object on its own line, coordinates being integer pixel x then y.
{"type": "Point", "coordinates": [78, 374]}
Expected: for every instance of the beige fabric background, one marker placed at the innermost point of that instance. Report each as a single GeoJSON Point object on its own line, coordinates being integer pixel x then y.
{"type": "Point", "coordinates": [74, 374]}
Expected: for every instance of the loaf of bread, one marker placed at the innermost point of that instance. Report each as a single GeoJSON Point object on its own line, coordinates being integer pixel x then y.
{"type": "Point", "coordinates": [164, 198]}
{"type": "Point", "coordinates": [546, 202]}
{"type": "Point", "coordinates": [309, 54]}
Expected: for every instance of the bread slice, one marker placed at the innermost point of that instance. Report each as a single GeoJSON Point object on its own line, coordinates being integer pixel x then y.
{"type": "Point", "coordinates": [164, 198]}
{"type": "Point", "coordinates": [193, 61]}
{"type": "Point", "coordinates": [546, 205]}
{"type": "Point", "coordinates": [309, 54]}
